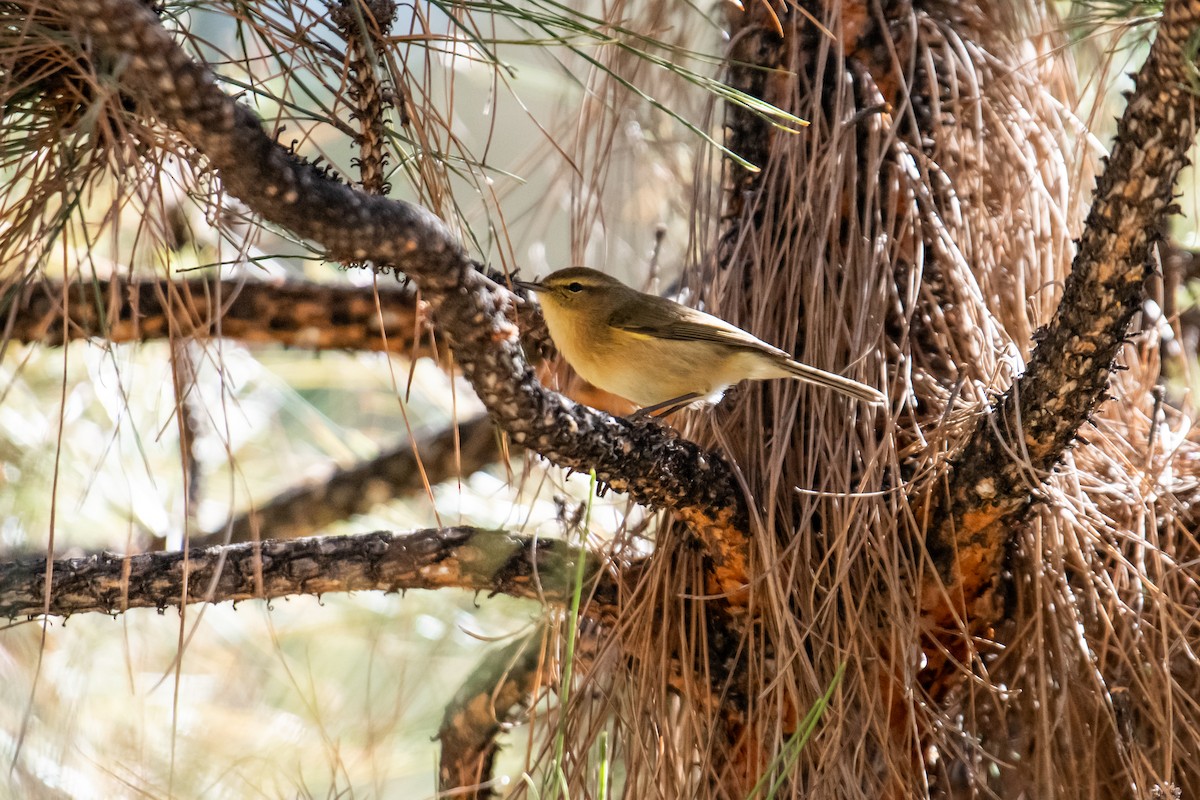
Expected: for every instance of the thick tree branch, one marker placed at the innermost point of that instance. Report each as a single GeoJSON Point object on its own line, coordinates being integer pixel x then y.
{"type": "Point", "coordinates": [302, 314]}
{"type": "Point", "coordinates": [995, 479]}
{"type": "Point", "coordinates": [465, 558]}
{"type": "Point", "coordinates": [294, 314]}
{"type": "Point", "coordinates": [638, 457]}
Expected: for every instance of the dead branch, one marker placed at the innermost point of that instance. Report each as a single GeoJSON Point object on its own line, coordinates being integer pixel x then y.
{"type": "Point", "coordinates": [488, 701]}
{"type": "Point", "coordinates": [637, 457]}
{"type": "Point", "coordinates": [995, 478]}
{"type": "Point", "coordinates": [386, 317]}
{"type": "Point", "coordinates": [497, 694]}
{"type": "Point", "coordinates": [478, 560]}
{"type": "Point", "coordinates": [292, 313]}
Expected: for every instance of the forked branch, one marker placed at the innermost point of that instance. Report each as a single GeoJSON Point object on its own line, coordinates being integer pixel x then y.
{"type": "Point", "coordinates": [637, 457]}
{"type": "Point", "coordinates": [1014, 447]}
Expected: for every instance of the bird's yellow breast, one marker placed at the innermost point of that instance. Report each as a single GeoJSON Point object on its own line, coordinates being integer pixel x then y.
{"type": "Point", "coordinates": [639, 367]}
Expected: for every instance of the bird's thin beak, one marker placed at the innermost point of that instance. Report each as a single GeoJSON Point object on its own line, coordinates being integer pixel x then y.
{"type": "Point", "coordinates": [532, 286]}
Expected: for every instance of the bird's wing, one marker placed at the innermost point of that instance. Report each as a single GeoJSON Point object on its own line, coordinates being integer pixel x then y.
{"type": "Point", "coordinates": [679, 322]}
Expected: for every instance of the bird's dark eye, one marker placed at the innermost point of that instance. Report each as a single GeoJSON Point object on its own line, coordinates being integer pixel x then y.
{"type": "Point", "coordinates": [575, 286]}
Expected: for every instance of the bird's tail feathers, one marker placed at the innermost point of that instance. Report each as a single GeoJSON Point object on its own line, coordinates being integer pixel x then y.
{"type": "Point", "coordinates": [819, 377]}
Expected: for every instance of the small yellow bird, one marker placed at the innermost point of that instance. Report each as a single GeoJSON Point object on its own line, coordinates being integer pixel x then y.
{"type": "Point", "coordinates": [657, 353]}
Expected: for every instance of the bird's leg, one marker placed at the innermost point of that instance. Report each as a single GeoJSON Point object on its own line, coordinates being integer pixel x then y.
{"type": "Point", "coordinates": [666, 406]}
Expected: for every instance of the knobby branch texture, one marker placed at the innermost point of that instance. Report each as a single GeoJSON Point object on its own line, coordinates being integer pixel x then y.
{"type": "Point", "coordinates": [996, 477]}
{"type": "Point", "coordinates": [292, 313]}
{"type": "Point", "coordinates": [365, 28]}
{"type": "Point", "coordinates": [497, 695]}
{"type": "Point", "coordinates": [487, 702]}
{"type": "Point", "coordinates": [637, 457]}
{"type": "Point", "coordinates": [461, 557]}
{"type": "Point", "coordinates": [386, 317]}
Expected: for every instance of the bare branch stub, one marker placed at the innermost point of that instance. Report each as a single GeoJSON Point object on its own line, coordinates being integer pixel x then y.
{"type": "Point", "coordinates": [636, 457]}
{"type": "Point", "coordinates": [479, 560]}
{"type": "Point", "coordinates": [995, 478]}
{"type": "Point", "coordinates": [496, 695]}
{"type": "Point", "coordinates": [486, 702]}
{"type": "Point", "coordinates": [365, 26]}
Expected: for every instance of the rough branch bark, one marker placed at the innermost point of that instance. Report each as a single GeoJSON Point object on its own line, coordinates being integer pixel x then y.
{"type": "Point", "coordinates": [995, 478]}
{"type": "Point", "coordinates": [466, 558]}
{"type": "Point", "coordinates": [383, 318]}
{"type": "Point", "coordinates": [495, 696]}
{"type": "Point", "coordinates": [637, 457]}
{"type": "Point", "coordinates": [294, 314]}
{"type": "Point", "coordinates": [488, 700]}
{"type": "Point", "coordinates": [365, 28]}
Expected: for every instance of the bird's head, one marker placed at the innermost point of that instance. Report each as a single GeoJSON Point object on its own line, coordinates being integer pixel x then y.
{"type": "Point", "coordinates": [578, 290]}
